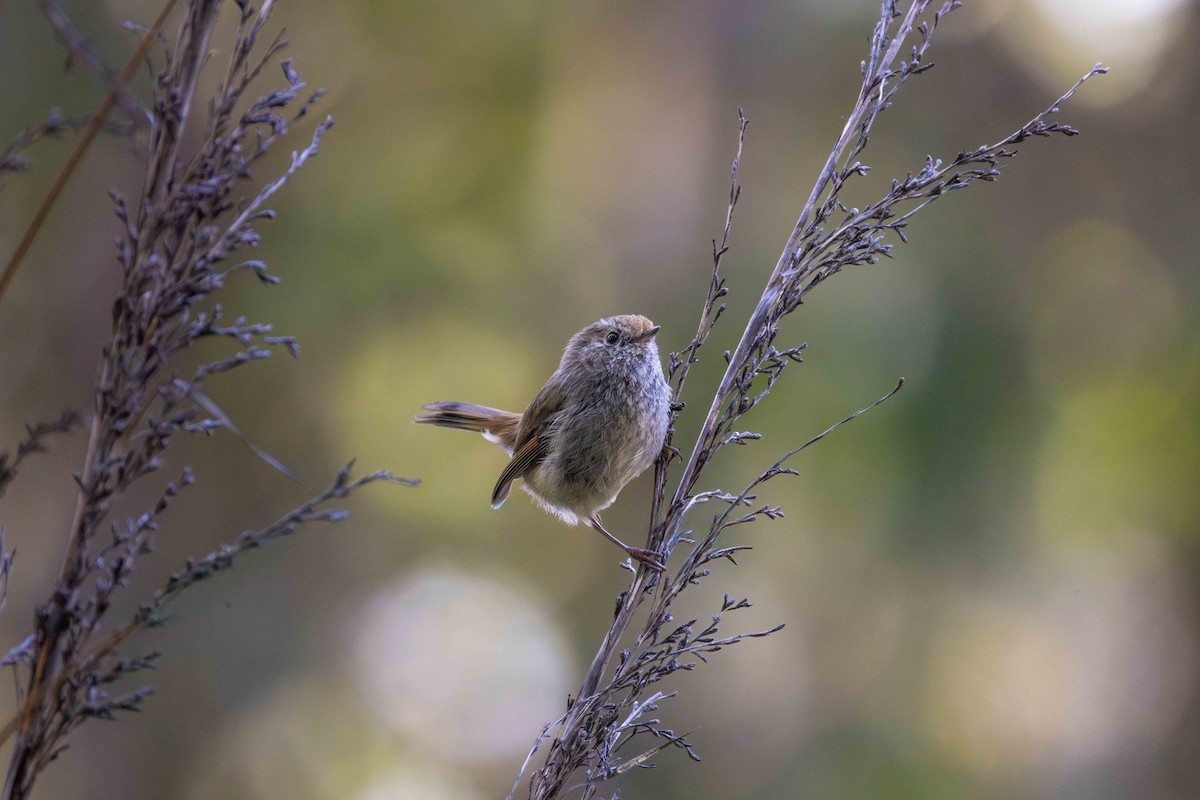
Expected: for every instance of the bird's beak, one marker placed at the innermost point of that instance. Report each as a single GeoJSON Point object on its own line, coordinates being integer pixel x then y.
{"type": "Point", "coordinates": [646, 334]}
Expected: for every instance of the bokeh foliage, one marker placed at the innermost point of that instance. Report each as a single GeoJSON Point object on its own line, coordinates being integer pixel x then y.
{"type": "Point", "coordinates": [990, 582]}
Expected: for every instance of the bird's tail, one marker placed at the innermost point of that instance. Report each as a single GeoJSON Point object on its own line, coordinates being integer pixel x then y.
{"type": "Point", "coordinates": [495, 425]}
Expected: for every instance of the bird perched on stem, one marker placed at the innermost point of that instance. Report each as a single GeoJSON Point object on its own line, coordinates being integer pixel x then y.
{"type": "Point", "coordinates": [598, 423]}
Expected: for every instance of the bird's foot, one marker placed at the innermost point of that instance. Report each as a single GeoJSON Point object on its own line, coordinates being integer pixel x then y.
{"type": "Point", "coordinates": [670, 453]}
{"type": "Point", "coordinates": [650, 558]}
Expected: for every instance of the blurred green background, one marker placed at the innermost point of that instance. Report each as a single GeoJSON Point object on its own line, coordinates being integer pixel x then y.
{"type": "Point", "coordinates": [990, 582]}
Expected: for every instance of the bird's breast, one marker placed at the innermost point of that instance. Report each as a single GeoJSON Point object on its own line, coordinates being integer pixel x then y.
{"type": "Point", "coordinates": [603, 438]}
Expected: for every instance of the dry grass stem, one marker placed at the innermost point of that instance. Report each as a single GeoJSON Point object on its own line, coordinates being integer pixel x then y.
{"type": "Point", "coordinates": [619, 694]}
{"type": "Point", "coordinates": [93, 126]}
{"type": "Point", "coordinates": [198, 208]}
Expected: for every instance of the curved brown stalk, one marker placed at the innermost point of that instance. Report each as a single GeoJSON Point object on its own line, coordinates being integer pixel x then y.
{"type": "Point", "coordinates": [89, 133]}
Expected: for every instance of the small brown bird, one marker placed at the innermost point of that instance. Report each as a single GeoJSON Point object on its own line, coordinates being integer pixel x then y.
{"type": "Point", "coordinates": [598, 423]}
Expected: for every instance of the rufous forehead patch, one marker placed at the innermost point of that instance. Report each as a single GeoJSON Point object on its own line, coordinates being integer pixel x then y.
{"type": "Point", "coordinates": [634, 323]}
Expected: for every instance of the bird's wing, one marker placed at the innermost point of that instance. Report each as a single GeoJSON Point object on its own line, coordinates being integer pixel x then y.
{"type": "Point", "coordinates": [549, 400]}
{"type": "Point", "coordinates": [525, 459]}
{"type": "Point", "coordinates": [533, 437]}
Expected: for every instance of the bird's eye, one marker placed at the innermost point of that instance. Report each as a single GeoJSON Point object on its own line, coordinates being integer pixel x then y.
{"type": "Point", "coordinates": [612, 338]}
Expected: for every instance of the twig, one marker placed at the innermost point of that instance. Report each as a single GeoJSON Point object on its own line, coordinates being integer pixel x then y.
{"type": "Point", "coordinates": [35, 440]}
{"type": "Point", "coordinates": [815, 250]}
{"type": "Point", "coordinates": [194, 213]}
{"type": "Point", "coordinates": [93, 127]}
{"type": "Point", "coordinates": [149, 615]}
{"type": "Point", "coordinates": [84, 52]}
